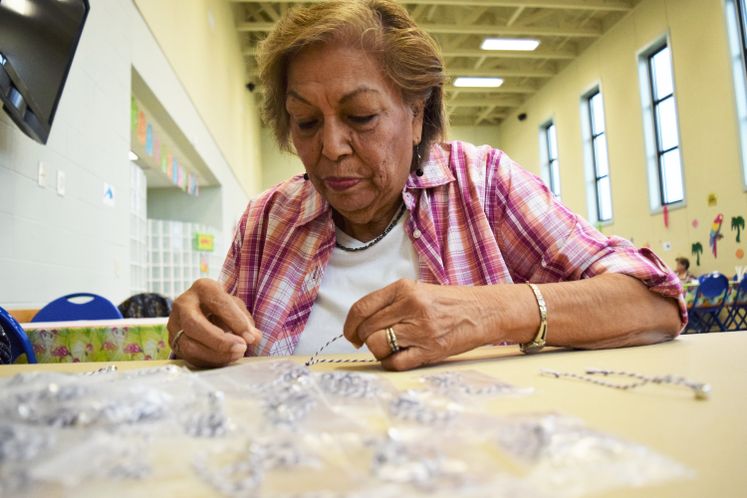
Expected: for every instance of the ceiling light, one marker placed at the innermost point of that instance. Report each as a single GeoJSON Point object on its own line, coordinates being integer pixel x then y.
{"type": "Point", "coordinates": [522, 44]}
{"type": "Point", "coordinates": [478, 82]}
{"type": "Point", "coordinates": [133, 156]}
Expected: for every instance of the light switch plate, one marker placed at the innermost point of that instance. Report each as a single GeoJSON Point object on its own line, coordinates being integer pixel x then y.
{"type": "Point", "coordinates": [60, 183]}
{"type": "Point", "coordinates": [41, 174]}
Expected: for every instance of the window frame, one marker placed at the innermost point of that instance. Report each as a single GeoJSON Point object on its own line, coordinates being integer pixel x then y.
{"type": "Point", "coordinates": [589, 144]}
{"type": "Point", "coordinates": [652, 131]}
{"type": "Point", "coordinates": [550, 165]}
{"type": "Point", "coordinates": [656, 103]}
{"type": "Point", "coordinates": [736, 27]}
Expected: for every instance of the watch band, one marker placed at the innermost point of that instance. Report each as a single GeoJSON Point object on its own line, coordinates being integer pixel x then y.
{"type": "Point", "coordinates": [541, 338]}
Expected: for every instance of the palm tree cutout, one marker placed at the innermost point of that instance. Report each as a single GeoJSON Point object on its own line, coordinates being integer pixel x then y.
{"type": "Point", "coordinates": [737, 223]}
{"type": "Point", "coordinates": [697, 249]}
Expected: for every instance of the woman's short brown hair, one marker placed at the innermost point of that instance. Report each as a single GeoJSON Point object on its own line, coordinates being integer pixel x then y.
{"type": "Point", "coordinates": [409, 57]}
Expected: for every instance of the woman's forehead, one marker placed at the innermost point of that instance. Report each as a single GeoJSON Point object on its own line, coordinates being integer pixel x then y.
{"type": "Point", "coordinates": [343, 73]}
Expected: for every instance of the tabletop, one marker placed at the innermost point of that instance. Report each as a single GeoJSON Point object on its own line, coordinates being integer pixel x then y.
{"type": "Point", "coordinates": [707, 437]}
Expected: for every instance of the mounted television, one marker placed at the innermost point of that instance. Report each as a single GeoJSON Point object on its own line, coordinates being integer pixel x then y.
{"type": "Point", "coordinates": [38, 39]}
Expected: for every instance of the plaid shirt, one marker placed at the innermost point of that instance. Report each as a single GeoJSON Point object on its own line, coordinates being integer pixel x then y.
{"type": "Point", "coordinates": [476, 218]}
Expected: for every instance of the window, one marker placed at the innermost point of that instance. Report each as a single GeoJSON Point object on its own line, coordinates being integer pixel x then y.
{"type": "Point", "coordinates": [736, 21]}
{"type": "Point", "coordinates": [549, 152]}
{"type": "Point", "coordinates": [597, 140]}
{"type": "Point", "coordinates": [660, 113]}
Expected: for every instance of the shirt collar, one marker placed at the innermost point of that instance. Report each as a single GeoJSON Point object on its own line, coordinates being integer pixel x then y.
{"type": "Point", "coordinates": [313, 205]}
{"type": "Point", "coordinates": [436, 170]}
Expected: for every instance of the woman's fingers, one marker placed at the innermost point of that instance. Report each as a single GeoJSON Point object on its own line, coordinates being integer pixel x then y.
{"type": "Point", "coordinates": [216, 327]}
{"type": "Point", "coordinates": [430, 323]}
{"type": "Point", "coordinates": [198, 354]}
{"type": "Point", "coordinates": [230, 310]}
{"type": "Point", "coordinates": [368, 314]}
{"type": "Point", "coordinates": [406, 359]}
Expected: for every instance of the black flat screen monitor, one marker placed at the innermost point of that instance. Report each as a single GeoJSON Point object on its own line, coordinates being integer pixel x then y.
{"type": "Point", "coordinates": [38, 39]}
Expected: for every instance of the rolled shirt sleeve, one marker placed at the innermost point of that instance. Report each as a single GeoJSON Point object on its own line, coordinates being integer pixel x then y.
{"type": "Point", "coordinates": [550, 243]}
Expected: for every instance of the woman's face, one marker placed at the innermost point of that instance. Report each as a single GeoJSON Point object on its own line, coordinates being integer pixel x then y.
{"type": "Point", "coordinates": [352, 131]}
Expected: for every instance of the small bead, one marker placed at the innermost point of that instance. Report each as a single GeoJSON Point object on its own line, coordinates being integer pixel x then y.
{"type": "Point", "coordinates": [305, 176]}
{"type": "Point", "coordinates": [419, 172]}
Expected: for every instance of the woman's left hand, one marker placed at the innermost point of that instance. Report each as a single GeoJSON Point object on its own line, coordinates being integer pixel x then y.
{"type": "Point", "coordinates": [431, 322]}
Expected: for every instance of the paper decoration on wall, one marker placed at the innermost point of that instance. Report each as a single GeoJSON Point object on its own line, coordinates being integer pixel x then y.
{"type": "Point", "coordinates": [147, 134]}
{"type": "Point", "coordinates": [737, 223]}
{"type": "Point", "coordinates": [715, 235]}
{"type": "Point", "coordinates": [695, 223]}
{"type": "Point", "coordinates": [109, 198]}
{"type": "Point", "coordinates": [665, 212]}
{"type": "Point", "coordinates": [740, 253]}
{"type": "Point", "coordinates": [696, 250]}
{"type": "Point", "coordinates": [149, 139]}
{"type": "Point", "coordinates": [712, 200]}
{"type": "Point", "coordinates": [204, 264]}
{"type": "Point", "coordinates": [204, 242]}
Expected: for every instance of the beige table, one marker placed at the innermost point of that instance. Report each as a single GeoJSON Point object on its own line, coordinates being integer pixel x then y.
{"type": "Point", "coordinates": [709, 437]}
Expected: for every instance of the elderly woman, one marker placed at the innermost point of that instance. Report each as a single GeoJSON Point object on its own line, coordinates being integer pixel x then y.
{"type": "Point", "coordinates": [415, 248]}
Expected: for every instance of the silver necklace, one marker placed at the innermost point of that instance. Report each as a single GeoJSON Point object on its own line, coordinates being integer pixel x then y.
{"type": "Point", "coordinates": [378, 237]}
{"type": "Point", "coordinates": [313, 360]}
{"type": "Point", "coordinates": [701, 390]}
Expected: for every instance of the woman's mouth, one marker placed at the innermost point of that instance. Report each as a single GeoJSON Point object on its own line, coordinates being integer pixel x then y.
{"type": "Point", "coordinates": [340, 183]}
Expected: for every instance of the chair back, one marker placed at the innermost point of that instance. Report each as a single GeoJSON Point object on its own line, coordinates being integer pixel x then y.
{"type": "Point", "coordinates": [19, 341]}
{"type": "Point", "coordinates": [146, 305]}
{"type": "Point", "coordinates": [740, 298]}
{"type": "Point", "coordinates": [712, 291]}
{"type": "Point", "coordinates": [65, 309]}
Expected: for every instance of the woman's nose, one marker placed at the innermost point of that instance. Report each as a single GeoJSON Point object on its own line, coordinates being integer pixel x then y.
{"type": "Point", "coordinates": [335, 140]}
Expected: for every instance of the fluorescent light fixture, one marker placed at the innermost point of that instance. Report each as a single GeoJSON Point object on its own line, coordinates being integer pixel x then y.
{"type": "Point", "coordinates": [523, 44]}
{"type": "Point", "coordinates": [463, 81]}
{"type": "Point", "coordinates": [133, 156]}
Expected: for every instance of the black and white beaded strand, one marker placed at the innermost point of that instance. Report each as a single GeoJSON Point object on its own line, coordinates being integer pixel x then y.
{"type": "Point", "coordinates": [701, 390]}
{"type": "Point", "coordinates": [378, 238]}
{"type": "Point", "coordinates": [313, 360]}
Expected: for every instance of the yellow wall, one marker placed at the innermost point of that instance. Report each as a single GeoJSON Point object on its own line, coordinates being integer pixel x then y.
{"type": "Point", "coordinates": [707, 119]}
{"type": "Point", "coordinates": [276, 165]}
{"type": "Point", "coordinates": [199, 38]}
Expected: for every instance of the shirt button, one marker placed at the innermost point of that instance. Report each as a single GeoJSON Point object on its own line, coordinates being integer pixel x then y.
{"type": "Point", "coordinates": [416, 234]}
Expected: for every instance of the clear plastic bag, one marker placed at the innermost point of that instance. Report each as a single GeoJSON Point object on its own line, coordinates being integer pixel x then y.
{"type": "Point", "coordinates": [471, 384]}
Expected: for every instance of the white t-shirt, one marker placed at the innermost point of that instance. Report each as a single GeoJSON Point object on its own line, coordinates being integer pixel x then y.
{"type": "Point", "coordinates": [350, 276]}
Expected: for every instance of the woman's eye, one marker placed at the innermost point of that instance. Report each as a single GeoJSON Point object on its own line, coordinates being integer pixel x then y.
{"type": "Point", "coordinates": [362, 119]}
{"type": "Point", "coordinates": [307, 125]}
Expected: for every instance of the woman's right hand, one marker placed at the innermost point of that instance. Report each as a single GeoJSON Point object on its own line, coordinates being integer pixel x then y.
{"type": "Point", "coordinates": [211, 328]}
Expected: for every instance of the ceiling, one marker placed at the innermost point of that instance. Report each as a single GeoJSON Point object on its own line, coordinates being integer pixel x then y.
{"type": "Point", "coordinates": [563, 27]}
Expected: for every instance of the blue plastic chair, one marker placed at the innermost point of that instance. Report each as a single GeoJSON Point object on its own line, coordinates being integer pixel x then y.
{"type": "Point", "coordinates": [737, 318]}
{"type": "Point", "coordinates": [709, 301]}
{"type": "Point", "coordinates": [64, 309]}
{"type": "Point", "coordinates": [19, 341]}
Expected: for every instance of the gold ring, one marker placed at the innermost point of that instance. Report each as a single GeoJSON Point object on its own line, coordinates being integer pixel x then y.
{"type": "Point", "coordinates": [175, 342]}
{"type": "Point", "coordinates": [391, 338]}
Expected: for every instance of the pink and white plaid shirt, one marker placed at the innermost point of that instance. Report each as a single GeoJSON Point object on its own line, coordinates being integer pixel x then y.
{"type": "Point", "coordinates": [476, 218]}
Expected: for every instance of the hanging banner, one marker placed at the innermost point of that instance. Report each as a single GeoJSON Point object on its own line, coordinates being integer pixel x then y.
{"type": "Point", "coordinates": [147, 134]}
